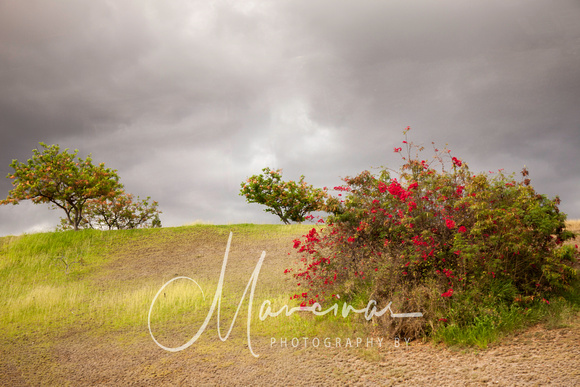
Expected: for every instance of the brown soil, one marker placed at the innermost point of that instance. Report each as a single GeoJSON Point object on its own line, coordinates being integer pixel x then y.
{"type": "Point", "coordinates": [538, 356]}
{"type": "Point", "coordinates": [535, 358]}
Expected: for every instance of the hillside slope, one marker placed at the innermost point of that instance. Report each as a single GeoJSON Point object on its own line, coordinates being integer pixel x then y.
{"type": "Point", "coordinates": [75, 312]}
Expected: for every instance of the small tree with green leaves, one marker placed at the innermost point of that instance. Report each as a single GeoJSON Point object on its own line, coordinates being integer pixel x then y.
{"type": "Point", "coordinates": [122, 211]}
{"type": "Point", "coordinates": [290, 201]}
{"type": "Point", "coordinates": [63, 179]}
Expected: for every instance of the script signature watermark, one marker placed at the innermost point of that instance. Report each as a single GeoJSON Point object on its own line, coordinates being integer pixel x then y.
{"type": "Point", "coordinates": [266, 308]}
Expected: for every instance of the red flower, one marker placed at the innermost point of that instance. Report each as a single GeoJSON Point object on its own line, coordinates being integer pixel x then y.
{"type": "Point", "coordinates": [382, 187]}
{"type": "Point", "coordinates": [456, 161]}
{"type": "Point", "coordinates": [443, 319]}
{"type": "Point", "coordinates": [462, 229]}
{"type": "Point", "coordinates": [397, 150]}
{"type": "Point", "coordinates": [449, 223]}
{"type": "Point", "coordinates": [448, 293]}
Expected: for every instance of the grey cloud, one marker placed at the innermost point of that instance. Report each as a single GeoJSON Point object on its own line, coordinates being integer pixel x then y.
{"type": "Point", "coordinates": [188, 98]}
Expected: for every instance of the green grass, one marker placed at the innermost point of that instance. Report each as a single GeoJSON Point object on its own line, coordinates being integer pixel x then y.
{"type": "Point", "coordinates": [39, 296]}
{"type": "Point", "coordinates": [561, 312]}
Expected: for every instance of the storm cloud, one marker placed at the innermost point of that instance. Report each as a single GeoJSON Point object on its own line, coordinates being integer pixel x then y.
{"type": "Point", "coordinates": [186, 99]}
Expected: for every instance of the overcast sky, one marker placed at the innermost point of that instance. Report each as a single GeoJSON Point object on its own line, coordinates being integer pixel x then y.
{"type": "Point", "coordinates": [186, 99]}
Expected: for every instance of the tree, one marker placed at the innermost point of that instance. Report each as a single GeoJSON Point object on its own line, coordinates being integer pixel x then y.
{"type": "Point", "coordinates": [63, 179]}
{"type": "Point", "coordinates": [119, 212]}
{"type": "Point", "coordinates": [291, 201]}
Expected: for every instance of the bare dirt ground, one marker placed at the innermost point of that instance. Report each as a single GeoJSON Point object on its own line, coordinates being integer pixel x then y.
{"type": "Point", "coordinates": [535, 357]}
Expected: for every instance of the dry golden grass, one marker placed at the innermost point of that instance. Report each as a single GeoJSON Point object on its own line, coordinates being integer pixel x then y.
{"type": "Point", "coordinates": [573, 225]}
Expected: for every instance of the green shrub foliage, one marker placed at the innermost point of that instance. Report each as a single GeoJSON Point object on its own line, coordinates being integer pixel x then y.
{"type": "Point", "coordinates": [438, 239]}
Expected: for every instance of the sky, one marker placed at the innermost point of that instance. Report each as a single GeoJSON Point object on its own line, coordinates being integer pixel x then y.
{"type": "Point", "coordinates": [186, 99]}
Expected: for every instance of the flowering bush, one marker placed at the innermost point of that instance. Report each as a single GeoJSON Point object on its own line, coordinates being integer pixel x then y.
{"type": "Point", "coordinates": [291, 200]}
{"type": "Point", "coordinates": [437, 239]}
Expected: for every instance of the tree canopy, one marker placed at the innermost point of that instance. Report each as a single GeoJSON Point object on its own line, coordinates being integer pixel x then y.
{"type": "Point", "coordinates": [122, 211]}
{"type": "Point", "coordinates": [290, 201]}
{"type": "Point", "coordinates": [63, 179]}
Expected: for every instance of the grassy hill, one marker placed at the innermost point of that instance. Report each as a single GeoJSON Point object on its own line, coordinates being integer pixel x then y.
{"type": "Point", "coordinates": [101, 284]}
{"type": "Point", "coordinates": [53, 282]}
{"type": "Point", "coordinates": [70, 298]}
